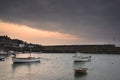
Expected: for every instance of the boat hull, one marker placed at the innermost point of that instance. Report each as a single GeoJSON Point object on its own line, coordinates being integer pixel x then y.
{"type": "Point", "coordinates": [81, 70]}
{"type": "Point", "coordinates": [25, 60]}
{"type": "Point", "coordinates": [79, 58]}
{"type": "Point", "coordinates": [82, 59]}
{"type": "Point", "coordinates": [2, 58]}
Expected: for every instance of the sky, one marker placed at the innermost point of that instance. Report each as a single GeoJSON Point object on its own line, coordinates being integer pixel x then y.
{"type": "Point", "coordinates": [61, 22]}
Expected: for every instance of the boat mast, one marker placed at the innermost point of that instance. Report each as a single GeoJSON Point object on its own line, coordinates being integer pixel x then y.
{"type": "Point", "coordinates": [30, 47]}
{"type": "Point", "coordinates": [30, 52]}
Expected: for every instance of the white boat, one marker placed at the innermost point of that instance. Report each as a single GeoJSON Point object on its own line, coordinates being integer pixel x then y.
{"type": "Point", "coordinates": [3, 52]}
{"type": "Point", "coordinates": [2, 58]}
{"type": "Point", "coordinates": [79, 58]}
{"type": "Point", "coordinates": [28, 59]}
{"type": "Point", "coordinates": [23, 60]}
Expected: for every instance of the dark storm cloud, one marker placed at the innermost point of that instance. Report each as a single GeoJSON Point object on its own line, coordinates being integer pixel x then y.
{"type": "Point", "coordinates": [96, 20]}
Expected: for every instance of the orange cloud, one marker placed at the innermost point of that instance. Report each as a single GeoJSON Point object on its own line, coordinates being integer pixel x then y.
{"type": "Point", "coordinates": [33, 35]}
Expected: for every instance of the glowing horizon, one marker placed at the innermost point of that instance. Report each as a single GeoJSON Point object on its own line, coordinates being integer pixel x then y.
{"type": "Point", "coordinates": [33, 35]}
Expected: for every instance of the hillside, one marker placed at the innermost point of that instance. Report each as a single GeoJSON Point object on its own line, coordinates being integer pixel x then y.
{"type": "Point", "coordinates": [7, 44]}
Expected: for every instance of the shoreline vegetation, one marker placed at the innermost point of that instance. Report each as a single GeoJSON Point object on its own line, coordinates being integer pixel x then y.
{"type": "Point", "coordinates": [8, 44]}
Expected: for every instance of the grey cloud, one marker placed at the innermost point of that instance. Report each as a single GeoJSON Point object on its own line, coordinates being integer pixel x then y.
{"type": "Point", "coordinates": [96, 20]}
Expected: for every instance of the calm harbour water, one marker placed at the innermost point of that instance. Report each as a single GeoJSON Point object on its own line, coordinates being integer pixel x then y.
{"type": "Point", "coordinates": [61, 67]}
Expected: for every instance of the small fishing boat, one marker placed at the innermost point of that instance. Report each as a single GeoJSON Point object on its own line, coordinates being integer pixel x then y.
{"type": "Point", "coordinates": [82, 59]}
{"type": "Point", "coordinates": [2, 58]}
{"type": "Point", "coordinates": [23, 60]}
{"type": "Point", "coordinates": [80, 70]}
{"type": "Point", "coordinates": [79, 58]}
{"type": "Point", "coordinates": [3, 52]}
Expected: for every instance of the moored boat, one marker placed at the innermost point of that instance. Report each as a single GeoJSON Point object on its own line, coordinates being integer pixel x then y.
{"type": "Point", "coordinates": [3, 52]}
{"type": "Point", "coordinates": [2, 58]}
{"type": "Point", "coordinates": [79, 58]}
{"type": "Point", "coordinates": [82, 59]}
{"type": "Point", "coordinates": [28, 59]}
{"type": "Point", "coordinates": [80, 70]}
{"type": "Point", "coordinates": [24, 60]}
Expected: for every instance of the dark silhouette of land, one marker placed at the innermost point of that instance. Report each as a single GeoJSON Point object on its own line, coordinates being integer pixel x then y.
{"type": "Point", "coordinates": [8, 44]}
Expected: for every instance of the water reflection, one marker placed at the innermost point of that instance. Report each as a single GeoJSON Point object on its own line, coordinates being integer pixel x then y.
{"type": "Point", "coordinates": [22, 66]}
{"type": "Point", "coordinates": [61, 67]}
{"type": "Point", "coordinates": [80, 76]}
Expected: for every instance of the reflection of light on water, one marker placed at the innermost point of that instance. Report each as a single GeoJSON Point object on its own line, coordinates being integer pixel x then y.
{"type": "Point", "coordinates": [80, 76]}
{"type": "Point", "coordinates": [23, 67]}
{"type": "Point", "coordinates": [24, 70]}
{"type": "Point", "coordinates": [61, 67]}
